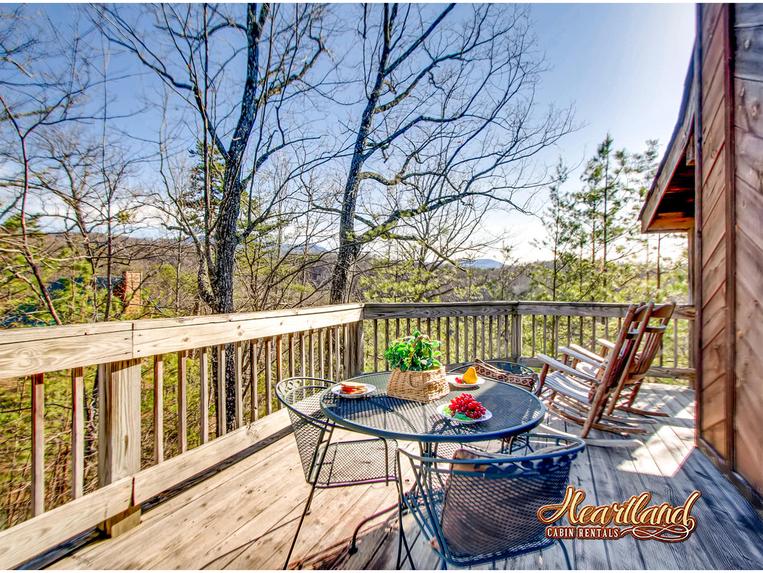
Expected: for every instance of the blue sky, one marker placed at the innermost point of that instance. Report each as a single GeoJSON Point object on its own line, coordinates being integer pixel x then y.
{"type": "Point", "coordinates": [621, 66]}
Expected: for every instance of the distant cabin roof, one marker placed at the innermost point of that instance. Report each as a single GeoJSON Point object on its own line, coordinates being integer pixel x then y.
{"type": "Point", "coordinates": [669, 204]}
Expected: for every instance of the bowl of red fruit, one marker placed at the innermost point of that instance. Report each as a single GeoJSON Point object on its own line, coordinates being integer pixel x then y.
{"type": "Point", "coordinates": [466, 409]}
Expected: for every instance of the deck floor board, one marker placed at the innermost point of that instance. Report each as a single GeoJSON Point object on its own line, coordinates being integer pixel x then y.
{"type": "Point", "coordinates": [244, 516]}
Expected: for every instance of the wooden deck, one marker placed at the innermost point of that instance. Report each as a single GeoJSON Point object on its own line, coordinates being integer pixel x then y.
{"type": "Point", "coordinates": [243, 515]}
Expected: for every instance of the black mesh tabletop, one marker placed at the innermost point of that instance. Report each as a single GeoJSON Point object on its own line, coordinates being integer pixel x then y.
{"type": "Point", "coordinates": [514, 411]}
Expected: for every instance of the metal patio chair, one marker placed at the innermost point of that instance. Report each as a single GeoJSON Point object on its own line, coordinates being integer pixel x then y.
{"type": "Point", "coordinates": [328, 464]}
{"type": "Point", "coordinates": [478, 508]}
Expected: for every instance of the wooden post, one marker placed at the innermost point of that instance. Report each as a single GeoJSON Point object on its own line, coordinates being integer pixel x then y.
{"type": "Point", "coordinates": [119, 433]}
{"type": "Point", "coordinates": [516, 337]}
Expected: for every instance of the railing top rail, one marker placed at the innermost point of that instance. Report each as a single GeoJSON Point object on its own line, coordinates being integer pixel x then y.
{"type": "Point", "coordinates": [27, 351]}
{"type": "Point", "coordinates": [487, 308]}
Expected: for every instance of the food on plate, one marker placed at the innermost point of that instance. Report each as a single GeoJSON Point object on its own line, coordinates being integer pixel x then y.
{"type": "Point", "coordinates": [353, 388]}
{"type": "Point", "coordinates": [469, 377]}
{"type": "Point", "coordinates": [465, 407]}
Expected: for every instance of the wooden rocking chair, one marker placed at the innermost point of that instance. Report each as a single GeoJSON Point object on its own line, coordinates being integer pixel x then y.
{"type": "Point", "coordinates": [593, 364]}
{"type": "Point", "coordinates": [583, 397]}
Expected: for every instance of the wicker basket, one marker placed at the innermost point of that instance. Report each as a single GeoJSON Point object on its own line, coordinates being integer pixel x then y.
{"type": "Point", "coordinates": [421, 386]}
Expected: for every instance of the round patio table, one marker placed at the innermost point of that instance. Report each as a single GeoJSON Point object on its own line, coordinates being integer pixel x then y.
{"type": "Point", "coordinates": [514, 410]}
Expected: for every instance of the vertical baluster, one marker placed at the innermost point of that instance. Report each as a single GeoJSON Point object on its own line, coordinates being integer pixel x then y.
{"type": "Point", "coordinates": [386, 341]}
{"type": "Point", "coordinates": [606, 329]}
{"type": "Point", "coordinates": [292, 352]}
{"type": "Point", "coordinates": [311, 353]}
{"type": "Point", "coordinates": [221, 405]}
{"type": "Point", "coordinates": [376, 345]}
{"type": "Point", "coordinates": [482, 339]}
{"type": "Point", "coordinates": [675, 343]}
{"type": "Point", "coordinates": [269, 375]}
{"type": "Point", "coordinates": [397, 328]}
{"type": "Point", "coordinates": [580, 333]}
{"type": "Point", "coordinates": [490, 335]}
{"type": "Point", "coordinates": [466, 339]}
{"type": "Point", "coordinates": [38, 444]}
{"type": "Point", "coordinates": [507, 334]}
{"type": "Point", "coordinates": [447, 340]}
{"type": "Point", "coordinates": [347, 360]}
{"type": "Point", "coordinates": [429, 327]}
{"type": "Point", "coordinates": [439, 328]}
{"type": "Point", "coordinates": [338, 354]}
{"type": "Point", "coordinates": [182, 406]}
{"type": "Point", "coordinates": [78, 432]}
{"type": "Point", "coordinates": [158, 408]}
{"type": "Point", "coordinates": [545, 335]}
{"type": "Point", "coordinates": [331, 354]}
{"type": "Point", "coordinates": [407, 326]}
{"type": "Point", "coordinates": [593, 332]}
{"type": "Point", "coordinates": [569, 330]}
{"type": "Point", "coordinates": [322, 353]}
{"type": "Point", "coordinates": [303, 354]}
{"type": "Point", "coordinates": [533, 335]}
{"type": "Point", "coordinates": [279, 362]}
{"type": "Point", "coordinates": [254, 380]}
{"type": "Point", "coordinates": [555, 333]}
{"type": "Point", "coordinates": [474, 338]}
{"type": "Point", "coordinates": [457, 341]}
{"type": "Point", "coordinates": [418, 324]}
{"type": "Point", "coordinates": [204, 394]}
{"type": "Point", "coordinates": [239, 384]}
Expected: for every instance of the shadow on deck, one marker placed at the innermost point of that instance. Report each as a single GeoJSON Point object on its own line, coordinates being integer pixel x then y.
{"type": "Point", "coordinates": [244, 515]}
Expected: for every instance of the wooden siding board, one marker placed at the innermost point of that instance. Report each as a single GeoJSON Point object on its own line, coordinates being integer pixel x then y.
{"type": "Point", "coordinates": [748, 246]}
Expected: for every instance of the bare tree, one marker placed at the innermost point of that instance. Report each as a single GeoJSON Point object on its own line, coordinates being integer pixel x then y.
{"type": "Point", "coordinates": [448, 94]}
{"type": "Point", "coordinates": [46, 80]}
{"type": "Point", "coordinates": [193, 49]}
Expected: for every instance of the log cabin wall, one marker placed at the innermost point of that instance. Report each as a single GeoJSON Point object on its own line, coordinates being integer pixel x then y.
{"type": "Point", "coordinates": [748, 241]}
{"type": "Point", "coordinates": [713, 291]}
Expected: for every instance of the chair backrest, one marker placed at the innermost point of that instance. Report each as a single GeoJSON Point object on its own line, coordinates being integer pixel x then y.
{"type": "Point", "coordinates": [652, 340]}
{"type": "Point", "coordinates": [482, 507]}
{"type": "Point", "coordinates": [629, 337]}
{"type": "Point", "coordinates": [301, 396]}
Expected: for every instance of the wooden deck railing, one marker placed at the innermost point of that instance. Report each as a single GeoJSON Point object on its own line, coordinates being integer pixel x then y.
{"type": "Point", "coordinates": [133, 456]}
{"type": "Point", "coordinates": [518, 330]}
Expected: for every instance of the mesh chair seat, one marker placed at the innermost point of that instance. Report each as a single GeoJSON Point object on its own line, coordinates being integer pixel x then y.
{"type": "Point", "coordinates": [357, 462]}
{"type": "Point", "coordinates": [480, 507]}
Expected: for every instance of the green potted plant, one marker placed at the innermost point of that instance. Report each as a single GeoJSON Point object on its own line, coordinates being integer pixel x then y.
{"type": "Point", "coordinates": [417, 373]}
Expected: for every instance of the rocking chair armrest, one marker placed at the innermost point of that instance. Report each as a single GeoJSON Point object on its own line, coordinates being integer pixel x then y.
{"type": "Point", "coordinates": [582, 356]}
{"type": "Point", "coordinates": [590, 354]}
{"type": "Point", "coordinates": [569, 370]}
{"type": "Point", "coordinates": [606, 343]}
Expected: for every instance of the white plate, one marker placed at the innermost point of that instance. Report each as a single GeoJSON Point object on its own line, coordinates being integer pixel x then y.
{"type": "Point", "coordinates": [337, 390]}
{"type": "Point", "coordinates": [441, 410]}
{"type": "Point", "coordinates": [451, 378]}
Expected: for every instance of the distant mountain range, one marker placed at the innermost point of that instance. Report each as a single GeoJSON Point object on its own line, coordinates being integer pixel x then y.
{"type": "Point", "coordinates": [480, 263]}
